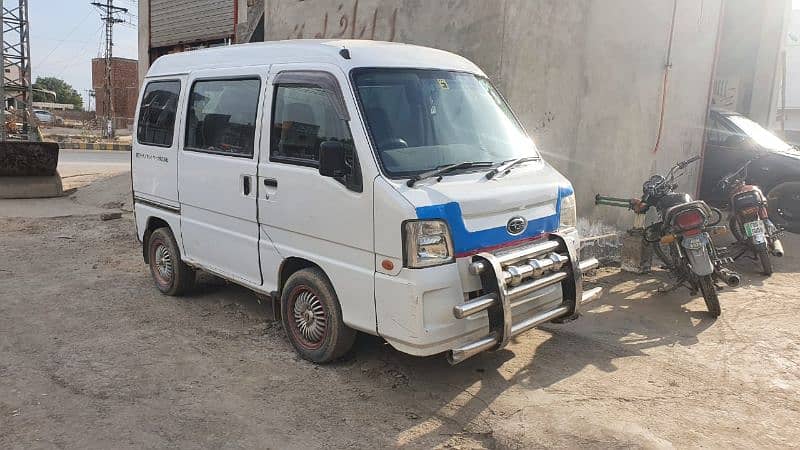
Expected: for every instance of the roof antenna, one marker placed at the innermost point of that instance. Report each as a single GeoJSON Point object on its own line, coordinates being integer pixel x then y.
{"type": "Point", "coordinates": [345, 53]}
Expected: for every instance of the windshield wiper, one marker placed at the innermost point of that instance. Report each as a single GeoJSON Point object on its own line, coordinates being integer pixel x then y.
{"type": "Point", "coordinates": [441, 170]}
{"type": "Point", "coordinates": [508, 165]}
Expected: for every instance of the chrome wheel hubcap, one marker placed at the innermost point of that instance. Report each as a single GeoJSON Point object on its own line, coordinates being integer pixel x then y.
{"type": "Point", "coordinates": [309, 316]}
{"type": "Point", "coordinates": [163, 262]}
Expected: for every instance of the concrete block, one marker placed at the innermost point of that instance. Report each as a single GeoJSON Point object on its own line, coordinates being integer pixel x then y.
{"type": "Point", "coordinates": [26, 159]}
{"type": "Point", "coordinates": [636, 256]}
{"type": "Point", "coordinates": [31, 187]}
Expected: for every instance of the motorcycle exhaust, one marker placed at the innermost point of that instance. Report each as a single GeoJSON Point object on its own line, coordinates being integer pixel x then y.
{"type": "Point", "coordinates": [777, 248]}
{"type": "Point", "coordinates": [729, 277]}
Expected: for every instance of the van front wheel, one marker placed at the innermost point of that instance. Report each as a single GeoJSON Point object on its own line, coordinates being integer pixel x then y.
{"type": "Point", "coordinates": [171, 275]}
{"type": "Point", "coordinates": [312, 317]}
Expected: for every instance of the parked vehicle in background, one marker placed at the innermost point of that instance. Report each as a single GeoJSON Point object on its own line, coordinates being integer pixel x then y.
{"type": "Point", "coordinates": [681, 238]}
{"type": "Point", "coordinates": [756, 235]}
{"type": "Point", "coordinates": [732, 140]}
{"type": "Point", "coordinates": [46, 117]}
{"type": "Point", "coordinates": [361, 185]}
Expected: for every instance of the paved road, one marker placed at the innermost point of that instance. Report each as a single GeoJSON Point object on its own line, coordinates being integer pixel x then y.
{"type": "Point", "coordinates": [92, 162]}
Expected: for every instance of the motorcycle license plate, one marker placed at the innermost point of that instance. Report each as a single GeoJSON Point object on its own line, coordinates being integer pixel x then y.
{"type": "Point", "coordinates": [755, 229]}
{"type": "Point", "coordinates": [693, 243]}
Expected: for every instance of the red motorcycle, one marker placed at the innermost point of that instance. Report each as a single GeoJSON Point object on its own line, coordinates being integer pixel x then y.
{"type": "Point", "coordinates": [755, 234]}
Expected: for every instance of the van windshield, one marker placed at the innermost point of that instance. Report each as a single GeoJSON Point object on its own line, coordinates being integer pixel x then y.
{"type": "Point", "coordinates": [420, 120]}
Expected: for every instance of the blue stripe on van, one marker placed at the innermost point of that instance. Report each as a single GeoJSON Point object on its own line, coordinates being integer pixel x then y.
{"type": "Point", "coordinates": [465, 241]}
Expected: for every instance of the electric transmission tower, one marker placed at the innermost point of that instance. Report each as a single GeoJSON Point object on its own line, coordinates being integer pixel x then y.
{"type": "Point", "coordinates": [109, 15]}
{"type": "Point", "coordinates": [15, 53]}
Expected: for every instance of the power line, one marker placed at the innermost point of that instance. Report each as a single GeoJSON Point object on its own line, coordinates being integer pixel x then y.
{"type": "Point", "coordinates": [61, 41]}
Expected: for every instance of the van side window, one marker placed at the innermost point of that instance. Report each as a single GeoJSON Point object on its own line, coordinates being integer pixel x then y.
{"type": "Point", "coordinates": [303, 118]}
{"type": "Point", "coordinates": [157, 113]}
{"type": "Point", "coordinates": [222, 117]}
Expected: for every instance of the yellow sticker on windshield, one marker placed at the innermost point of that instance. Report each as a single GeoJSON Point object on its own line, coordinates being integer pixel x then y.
{"type": "Point", "coordinates": [443, 83]}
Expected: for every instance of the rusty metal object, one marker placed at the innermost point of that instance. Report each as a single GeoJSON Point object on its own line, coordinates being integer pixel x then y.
{"type": "Point", "coordinates": [21, 159]}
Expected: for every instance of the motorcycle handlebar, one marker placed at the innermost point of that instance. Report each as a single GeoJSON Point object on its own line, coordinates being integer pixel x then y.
{"type": "Point", "coordinates": [683, 164]}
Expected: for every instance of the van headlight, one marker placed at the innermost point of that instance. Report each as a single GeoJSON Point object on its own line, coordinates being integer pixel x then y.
{"type": "Point", "coordinates": [569, 213]}
{"type": "Point", "coordinates": [427, 243]}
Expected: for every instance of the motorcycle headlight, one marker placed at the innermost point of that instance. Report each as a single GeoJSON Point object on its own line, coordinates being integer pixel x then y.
{"type": "Point", "coordinates": [569, 213]}
{"type": "Point", "coordinates": [427, 243]}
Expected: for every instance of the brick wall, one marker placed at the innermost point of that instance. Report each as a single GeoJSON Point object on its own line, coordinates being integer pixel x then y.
{"type": "Point", "coordinates": [124, 89]}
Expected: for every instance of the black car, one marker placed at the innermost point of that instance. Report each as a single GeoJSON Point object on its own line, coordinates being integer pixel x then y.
{"type": "Point", "coordinates": [732, 140]}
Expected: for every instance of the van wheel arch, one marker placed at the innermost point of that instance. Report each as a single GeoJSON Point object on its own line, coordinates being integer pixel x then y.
{"type": "Point", "coordinates": [153, 223]}
{"type": "Point", "coordinates": [288, 267]}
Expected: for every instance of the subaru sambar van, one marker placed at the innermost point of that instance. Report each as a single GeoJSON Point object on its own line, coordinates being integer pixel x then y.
{"type": "Point", "coordinates": [360, 186]}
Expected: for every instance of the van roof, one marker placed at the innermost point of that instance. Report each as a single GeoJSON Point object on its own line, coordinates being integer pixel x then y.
{"type": "Point", "coordinates": [363, 53]}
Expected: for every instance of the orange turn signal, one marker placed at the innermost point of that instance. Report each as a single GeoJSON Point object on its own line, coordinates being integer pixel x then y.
{"type": "Point", "coordinates": [668, 239]}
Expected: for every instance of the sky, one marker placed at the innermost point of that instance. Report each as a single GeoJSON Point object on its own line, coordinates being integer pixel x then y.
{"type": "Point", "coordinates": [66, 34]}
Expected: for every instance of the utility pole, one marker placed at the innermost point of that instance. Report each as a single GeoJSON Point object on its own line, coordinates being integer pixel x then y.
{"type": "Point", "coordinates": [15, 54]}
{"type": "Point", "coordinates": [108, 15]}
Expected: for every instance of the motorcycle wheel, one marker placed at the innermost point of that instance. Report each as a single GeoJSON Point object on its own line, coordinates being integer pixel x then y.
{"type": "Point", "coordinates": [765, 260]}
{"type": "Point", "coordinates": [736, 230]}
{"type": "Point", "coordinates": [710, 295]}
{"type": "Point", "coordinates": [784, 206]}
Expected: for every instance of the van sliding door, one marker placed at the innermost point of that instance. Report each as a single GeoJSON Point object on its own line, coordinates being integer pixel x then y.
{"type": "Point", "coordinates": [218, 172]}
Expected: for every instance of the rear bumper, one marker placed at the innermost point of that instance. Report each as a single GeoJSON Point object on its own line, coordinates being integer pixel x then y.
{"type": "Point", "coordinates": [512, 275]}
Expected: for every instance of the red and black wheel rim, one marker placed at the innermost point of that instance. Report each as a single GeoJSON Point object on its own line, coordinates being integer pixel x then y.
{"type": "Point", "coordinates": [308, 318]}
{"type": "Point", "coordinates": [162, 262]}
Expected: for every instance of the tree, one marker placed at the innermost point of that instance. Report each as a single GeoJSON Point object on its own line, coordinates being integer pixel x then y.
{"type": "Point", "coordinates": [64, 92]}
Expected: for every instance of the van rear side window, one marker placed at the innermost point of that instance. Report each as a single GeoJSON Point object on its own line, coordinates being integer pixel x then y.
{"type": "Point", "coordinates": [157, 113]}
{"type": "Point", "coordinates": [222, 116]}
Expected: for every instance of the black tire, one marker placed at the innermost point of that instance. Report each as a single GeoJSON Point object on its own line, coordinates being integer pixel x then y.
{"type": "Point", "coordinates": [736, 230]}
{"type": "Point", "coordinates": [170, 274]}
{"type": "Point", "coordinates": [784, 206]}
{"type": "Point", "coordinates": [709, 292]}
{"type": "Point", "coordinates": [765, 260]}
{"type": "Point", "coordinates": [312, 317]}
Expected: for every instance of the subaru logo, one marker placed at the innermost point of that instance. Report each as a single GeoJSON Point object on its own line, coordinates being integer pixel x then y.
{"type": "Point", "coordinates": [516, 225]}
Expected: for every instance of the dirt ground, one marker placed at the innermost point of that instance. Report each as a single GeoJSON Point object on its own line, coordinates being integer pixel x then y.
{"type": "Point", "coordinates": [92, 356]}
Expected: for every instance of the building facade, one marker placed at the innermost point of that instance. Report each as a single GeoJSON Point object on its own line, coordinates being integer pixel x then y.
{"type": "Point", "coordinates": [124, 89]}
{"type": "Point", "coordinates": [611, 90]}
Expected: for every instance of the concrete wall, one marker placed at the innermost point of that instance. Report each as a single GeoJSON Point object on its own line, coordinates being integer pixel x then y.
{"type": "Point", "coordinates": [585, 76]}
{"type": "Point", "coordinates": [750, 55]}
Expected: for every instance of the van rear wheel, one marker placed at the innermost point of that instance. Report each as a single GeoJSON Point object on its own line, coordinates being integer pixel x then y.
{"type": "Point", "coordinates": [171, 275]}
{"type": "Point", "coordinates": [312, 317]}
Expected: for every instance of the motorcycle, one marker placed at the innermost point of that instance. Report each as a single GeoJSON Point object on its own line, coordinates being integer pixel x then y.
{"type": "Point", "coordinates": [749, 221]}
{"type": "Point", "coordinates": [682, 236]}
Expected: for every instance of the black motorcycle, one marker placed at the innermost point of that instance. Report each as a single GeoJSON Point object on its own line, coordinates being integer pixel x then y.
{"type": "Point", "coordinates": [681, 238]}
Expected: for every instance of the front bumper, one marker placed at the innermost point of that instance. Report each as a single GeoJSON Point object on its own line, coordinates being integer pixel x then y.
{"type": "Point", "coordinates": [511, 275]}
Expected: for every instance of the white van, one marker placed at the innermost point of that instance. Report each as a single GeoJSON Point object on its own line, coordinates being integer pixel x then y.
{"type": "Point", "coordinates": [363, 186]}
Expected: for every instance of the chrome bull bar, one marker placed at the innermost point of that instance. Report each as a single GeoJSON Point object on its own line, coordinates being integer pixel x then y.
{"type": "Point", "coordinates": [516, 274]}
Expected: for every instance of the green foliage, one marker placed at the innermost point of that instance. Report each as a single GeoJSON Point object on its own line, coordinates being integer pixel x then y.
{"type": "Point", "coordinates": [64, 92]}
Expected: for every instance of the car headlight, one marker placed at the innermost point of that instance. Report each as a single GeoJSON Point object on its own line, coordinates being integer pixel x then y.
{"type": "Point", "coordinates": [427, 243]}
{"type": "Point", "coordinates": [569, 213]}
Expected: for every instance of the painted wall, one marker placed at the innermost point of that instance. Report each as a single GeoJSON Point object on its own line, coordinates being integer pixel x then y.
{"type": "Point", "coordinates": [750, 56]}
{"type": "Point", "coordinates": [585, 76]}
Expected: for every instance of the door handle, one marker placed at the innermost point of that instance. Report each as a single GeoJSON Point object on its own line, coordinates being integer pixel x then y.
{"type": "Point", "coordinates": [270, 182]}
{"type": "Point", "coordinates": [246, 185]}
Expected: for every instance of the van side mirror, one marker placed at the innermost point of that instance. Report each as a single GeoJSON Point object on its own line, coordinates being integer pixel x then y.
{"type": "Point", "coordinates": [332, 159]}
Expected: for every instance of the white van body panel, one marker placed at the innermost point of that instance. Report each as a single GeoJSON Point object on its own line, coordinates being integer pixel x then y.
{"type": "Point", "coordinates": [218, 219]}
{"type": "Point", "coordinates": [319, 219]}
{"type": "Point", "coordinates": [155, 168]}
{"type": "Point", "coordinates": [293, 213]}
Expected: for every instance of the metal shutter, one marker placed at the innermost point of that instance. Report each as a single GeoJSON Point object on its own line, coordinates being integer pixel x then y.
{"type": "Point", "coordinates": [183, 21]}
